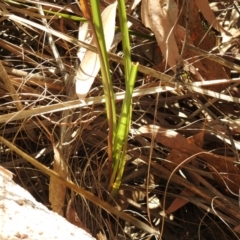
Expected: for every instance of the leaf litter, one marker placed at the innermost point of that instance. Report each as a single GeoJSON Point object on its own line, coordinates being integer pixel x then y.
{"type": "Point", "coordinates": [183, 148]}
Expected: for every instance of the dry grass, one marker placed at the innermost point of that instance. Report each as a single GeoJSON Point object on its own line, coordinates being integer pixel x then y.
{"type": "Point", "coordinates": [175, 127]}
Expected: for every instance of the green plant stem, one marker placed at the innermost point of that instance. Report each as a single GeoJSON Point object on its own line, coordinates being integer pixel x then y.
{"type": "Point", "coordinates": [121, 137]}
{"type": "Point", "coordinates": [106, 77]}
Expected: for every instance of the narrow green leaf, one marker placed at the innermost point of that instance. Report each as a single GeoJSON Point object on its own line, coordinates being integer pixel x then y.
{"type": "Point", "coordinates": [106, 77]}
{"type": "Point", "coordinates": [121, 137]}
{"type": "Point", "coordinates": [125, 37]}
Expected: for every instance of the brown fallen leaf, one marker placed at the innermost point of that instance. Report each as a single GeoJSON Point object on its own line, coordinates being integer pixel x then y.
{"type": "Point", "coordinates": [223, 169]}
{"type": "Point", "coordinates": [200, 38]}
{"type": "Point", "coordinates": [177, 158]}
{"type": "Point", "coordinates": [160, 17]}
{"type": "Point", "coordinates": [179, 202]}
{"type": "Point", "coordinates": [207, 12]}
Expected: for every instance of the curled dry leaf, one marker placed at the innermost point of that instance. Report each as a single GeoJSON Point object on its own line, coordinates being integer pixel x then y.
{"type": "Point", "coordinates": [160, 17]}
{"type": "Point", "coordinates": [57, 190]}
{"type": "Point", "coordinates": [90, 64]}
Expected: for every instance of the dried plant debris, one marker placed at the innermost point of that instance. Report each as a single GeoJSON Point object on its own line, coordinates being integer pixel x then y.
{"type": "Point", "coordinates": [181, 173]}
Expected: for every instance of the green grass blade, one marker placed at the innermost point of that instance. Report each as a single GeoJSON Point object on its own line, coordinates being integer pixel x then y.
{"type": "Point", "coordinates": [125, 38]}
{"type": "Point", "coordinates": [106, 77]}
{"type": "Point", "coordinates": [121, 137]}
{"type": "Point", "coordinates": [67, 16]}
{"type": "Point", "coordinates": [126, 51]}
